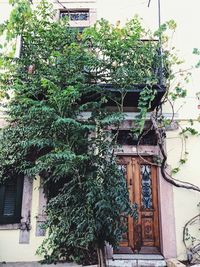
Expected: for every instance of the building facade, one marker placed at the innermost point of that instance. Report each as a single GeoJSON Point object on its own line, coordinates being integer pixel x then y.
{"type": "Point", "coordinates": [167, 209]}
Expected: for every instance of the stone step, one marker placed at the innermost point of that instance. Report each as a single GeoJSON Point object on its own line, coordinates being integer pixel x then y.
{"type": "Point", "coordinates": [138, 257]}
{"type": "Point", "coordinates": [136, 263]}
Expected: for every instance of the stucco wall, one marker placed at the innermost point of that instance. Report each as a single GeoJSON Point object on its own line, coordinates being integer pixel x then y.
{"type": "Point", "coordinates": [10, 249]}
{"type": "Point", "coordinates": [185, 201]}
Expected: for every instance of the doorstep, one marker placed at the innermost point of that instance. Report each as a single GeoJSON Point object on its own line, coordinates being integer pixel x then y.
{"type": "Point", "coordinates": [118, 260]}
{"type": "Point", "coordinates": [137, 260]}
{"type": "Point", "coordinates": [138, 257]}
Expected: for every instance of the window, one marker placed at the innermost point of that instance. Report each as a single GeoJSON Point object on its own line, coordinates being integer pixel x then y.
{"type": "Point", "coordinates": [78, 18]}
{"type": "Point", "coordinates": [75, 15]}
{"type": "Point", "coordinates": [11, 201]}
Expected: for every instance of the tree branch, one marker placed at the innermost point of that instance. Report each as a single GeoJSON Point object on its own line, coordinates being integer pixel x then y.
{"type": "Point", "coordinates": [167, 176]}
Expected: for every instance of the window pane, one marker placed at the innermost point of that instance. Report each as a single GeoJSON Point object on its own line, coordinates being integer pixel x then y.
{"type": "Point", "coordinates": [76, 15]}
{"type": "Point", "coordinates": [146, 187]}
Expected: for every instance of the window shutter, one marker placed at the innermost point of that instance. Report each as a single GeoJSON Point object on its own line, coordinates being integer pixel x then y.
{"type": "Point", "coordinates": [11, 200]}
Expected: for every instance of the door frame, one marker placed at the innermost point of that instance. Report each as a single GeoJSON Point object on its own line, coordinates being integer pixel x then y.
{"type": "Point", "coordinates": [143, 234]}
{"type": "Point", "coordinates": [166, 214]}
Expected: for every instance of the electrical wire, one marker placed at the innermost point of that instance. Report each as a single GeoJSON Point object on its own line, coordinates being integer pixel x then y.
{"type": "Point", "coordinates": [58, 2]}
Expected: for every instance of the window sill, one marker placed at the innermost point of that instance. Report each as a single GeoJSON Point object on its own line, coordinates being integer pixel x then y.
{"type": "Point", "coordinates": [13, 226]}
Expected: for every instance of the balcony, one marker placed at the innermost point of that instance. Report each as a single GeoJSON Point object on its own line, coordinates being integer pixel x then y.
{"type": "Point", "coordinates": [139, 67]}
{"type": "Point", "coordinates": [131, 95]}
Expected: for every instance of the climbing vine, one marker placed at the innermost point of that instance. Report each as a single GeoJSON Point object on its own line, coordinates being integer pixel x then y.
{"type": "Point", "coordinates": [191, 239]}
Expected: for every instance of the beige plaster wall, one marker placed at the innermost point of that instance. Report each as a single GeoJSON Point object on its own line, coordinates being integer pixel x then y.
{"type": "Point", "coordinates": [185, 201]}
{"type": "Point", "coordinates": [10, 249]}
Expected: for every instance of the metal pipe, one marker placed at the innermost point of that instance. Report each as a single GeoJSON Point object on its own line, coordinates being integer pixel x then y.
{"type": "Point", "coordinates": [160, 44]}
{"type": "Point", "coordinates": [159, 14]}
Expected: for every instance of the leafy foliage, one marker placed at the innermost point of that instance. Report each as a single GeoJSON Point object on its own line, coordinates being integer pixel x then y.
{"type": "Point", "coordinates": [196, 51]}
{"type": "Point", "coordinates": [87, 210]}
{"type": "Point", "coordinates": [121, 55]}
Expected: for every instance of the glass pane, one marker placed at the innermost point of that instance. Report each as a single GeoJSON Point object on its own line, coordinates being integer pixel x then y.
{"type": "Point", "coordinates": [124, 218]}
{"type": "Point", "coordinates": [9, 200]}
{"type": "Point", "coordinates": [76, 16]}
{"type": "Point", "coordinates": [146, 187]}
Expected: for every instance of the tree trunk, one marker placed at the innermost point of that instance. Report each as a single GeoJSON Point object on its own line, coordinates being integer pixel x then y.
{"type": "Point", "coordinates": [101, 256]}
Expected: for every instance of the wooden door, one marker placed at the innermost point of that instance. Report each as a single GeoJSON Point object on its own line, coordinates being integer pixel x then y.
{"type": "Point", "coordinates": [142, 236]}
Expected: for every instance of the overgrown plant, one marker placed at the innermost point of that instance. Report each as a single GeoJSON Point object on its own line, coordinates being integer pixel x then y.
{"type": "Point", "coordinates": [52, 84]}
{"type": "Point", "coordinates": [59, 75]}
{"type": "Point", "coordinates": [87, 211]}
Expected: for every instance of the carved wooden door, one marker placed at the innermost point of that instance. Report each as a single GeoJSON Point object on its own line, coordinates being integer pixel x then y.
{"type": "Point", "coordinates": [142, 236]}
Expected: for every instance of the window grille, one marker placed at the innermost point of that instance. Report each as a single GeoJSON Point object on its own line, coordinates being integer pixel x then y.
{"type": "Point", "coordinates": [74, 15]}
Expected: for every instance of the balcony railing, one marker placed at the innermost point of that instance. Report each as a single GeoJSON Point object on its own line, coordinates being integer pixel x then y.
{"type": "Point", "coordinates": [146, 73]}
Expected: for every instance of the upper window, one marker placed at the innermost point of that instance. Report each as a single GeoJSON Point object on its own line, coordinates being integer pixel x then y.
{"type": "Point", "coordinates": [11, 201]}
{"type": "Point", "coordinates": [78, 18]}
{"type": "Point", "coordinates": [74, 15]}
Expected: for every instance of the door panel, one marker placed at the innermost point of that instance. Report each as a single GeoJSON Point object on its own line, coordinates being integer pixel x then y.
{"type": "Point", "coordinates": [141, 179]}
{"type": "Point", "coordinates": [127, 237]}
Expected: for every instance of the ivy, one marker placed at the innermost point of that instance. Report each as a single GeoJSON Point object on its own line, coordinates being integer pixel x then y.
{"type": "Point", "coordinates": [178, 92]}
{"type": "Point", "coordinates": [185, 133]}
{"type": "Point", "coordinates": [144, 104]}
{"type": "Point", "coordinates": [196, 51]}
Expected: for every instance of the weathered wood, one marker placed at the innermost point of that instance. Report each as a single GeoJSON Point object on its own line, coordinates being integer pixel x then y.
{"type": "Point", "coordinates": [145, 231]}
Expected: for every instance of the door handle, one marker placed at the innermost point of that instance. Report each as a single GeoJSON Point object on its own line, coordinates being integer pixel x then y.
{"type": "Point", "coordinates": [130, 182]}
